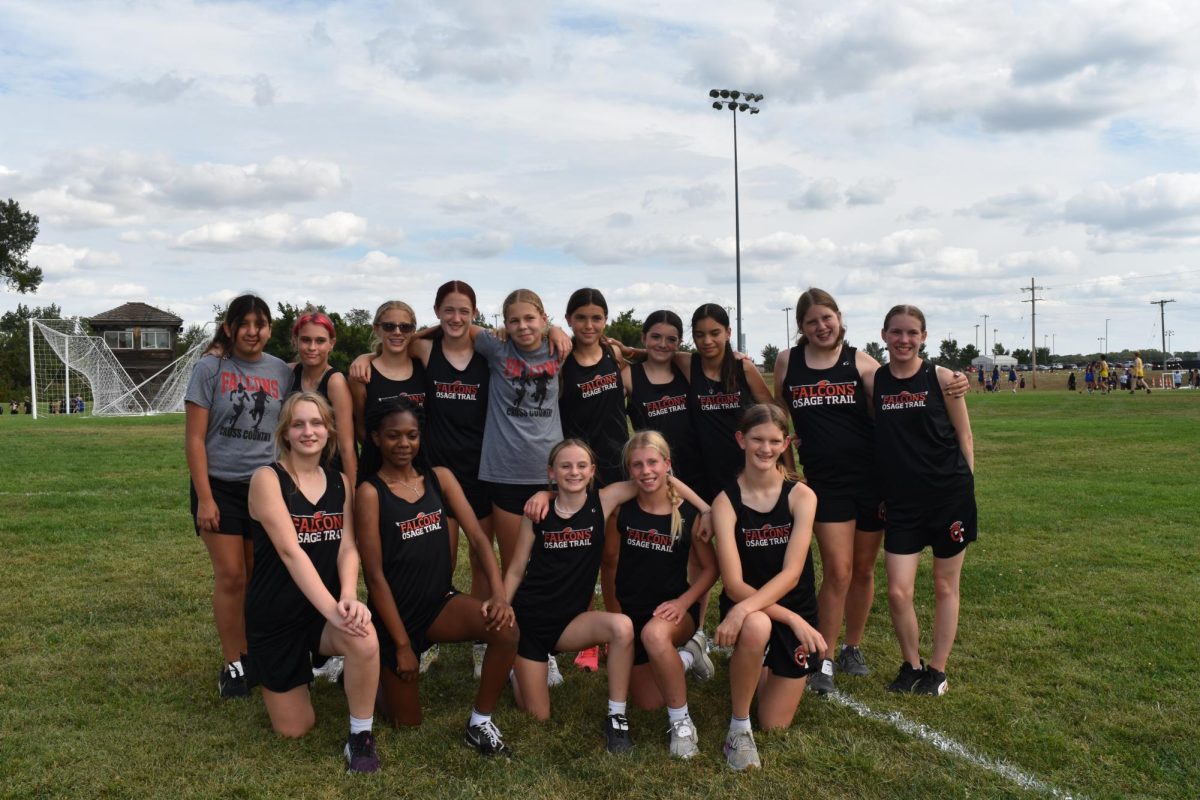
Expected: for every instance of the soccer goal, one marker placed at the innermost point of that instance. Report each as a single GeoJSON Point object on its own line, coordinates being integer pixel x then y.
{"type": "Point", "coordinates": [73, 372]}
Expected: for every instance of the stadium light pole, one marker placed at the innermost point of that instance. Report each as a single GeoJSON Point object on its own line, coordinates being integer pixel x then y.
{"type": "Point", "coordinates": [1104, 342]}
{"type": "Point", "coordinates": [985, 352]}
{"type": "Point", "coordinates": [736, 101]}
{"type": "Point", "coordinates": [787, 325]}
{"type": "Point", "coordinates": [1106, 338]}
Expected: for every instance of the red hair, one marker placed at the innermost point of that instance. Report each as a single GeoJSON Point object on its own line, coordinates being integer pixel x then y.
{"type": "Point", "coordinates": [314, 318]}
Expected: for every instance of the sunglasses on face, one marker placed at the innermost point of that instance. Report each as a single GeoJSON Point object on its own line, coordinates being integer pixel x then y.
{"type": "Point", "coordinates": [402, 327]}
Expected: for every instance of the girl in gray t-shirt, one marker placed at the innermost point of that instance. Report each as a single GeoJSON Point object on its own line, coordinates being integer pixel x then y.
{"type": "Point", "coordinates": [232, 405]}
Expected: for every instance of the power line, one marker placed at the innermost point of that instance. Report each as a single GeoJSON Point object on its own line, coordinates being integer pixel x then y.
{"type": "Point", "coordinates": [1033, 298]}
{"type": "Point", "coordinates": [1162, 314]}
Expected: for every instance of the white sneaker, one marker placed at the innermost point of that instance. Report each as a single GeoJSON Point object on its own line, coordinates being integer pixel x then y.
{"type": "Point", "coordinates": [553, 676]}
{"type": "Point", "coordinates": [428, 658]}
{"type": "Point", "coordinates": [683, 743]}
{"type": "Point", "coordinates": [740, 751]}
{"type": "Point", "coordinates": [477, 652]}
{"type": "Point", "coordinates": [702, 665]}
{"type": "Point", "coordinates": [331, 670]}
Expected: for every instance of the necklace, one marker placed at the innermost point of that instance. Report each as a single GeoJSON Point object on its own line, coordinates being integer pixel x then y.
{"type": "Point", "coordinates": [407, 485]}
{"type": "Point", "coordinates": [564, 514]}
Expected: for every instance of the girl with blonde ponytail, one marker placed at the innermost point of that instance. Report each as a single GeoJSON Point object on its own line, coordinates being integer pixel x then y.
{"type": "Point", "coordinates": [652, 551]}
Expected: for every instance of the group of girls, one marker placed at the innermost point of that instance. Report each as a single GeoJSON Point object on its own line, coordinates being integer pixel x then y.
{"type": "Point", "coordinates": [461, 428]}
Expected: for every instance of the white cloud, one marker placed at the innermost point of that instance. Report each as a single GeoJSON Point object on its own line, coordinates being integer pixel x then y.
{"type": "Point", "coordinates": [870, 191]}
{"type": "Point", "coordinates": [165, 89]}
{"type": "Point", "coordinates": [276, 232]}
{"type": "Point", "coordinates": [264, 91]}
{"type": "Point", "coordinates": [819, 195]}
{"type": "Point", "coordinates": [486, 244]}
{"type": "Point", "coordinates": [57, 260]}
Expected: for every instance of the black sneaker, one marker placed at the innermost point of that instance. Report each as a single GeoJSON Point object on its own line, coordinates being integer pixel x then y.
{"type": "Point", "coordinates": [360, 753]}
{"type": "Point", "coordinates": [485, 738]}
{"type": "Point", "coordinates": [232, 683]}
{"type": "Point", "coordinates": [616, 734]}
{"type": "Point", "coordinates": [851, 661]}
{"type": "Point", "coordinates": [907, 678]}
{"type": "Point", "coordinates": [932, 683]}
{"type": "Point", "coordinates": [822, 681]}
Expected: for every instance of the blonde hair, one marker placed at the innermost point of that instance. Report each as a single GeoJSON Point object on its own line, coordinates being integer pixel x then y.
{"type": "Point", "coordinates": [907, 310]}
{"type": "Point", "coordinates": [656, 441]}
{"type": "Point", "coordinates": [390, 305]}
{"type": "Point", "coordinates": [769, 414]}
{"type": "Point", "coordinates": [523, 296]}
{"type": "Point", "coordinates": [282, 446]}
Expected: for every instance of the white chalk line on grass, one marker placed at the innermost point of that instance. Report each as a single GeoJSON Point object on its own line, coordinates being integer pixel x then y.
{"type": "Point", "coordinates": [944, 743]}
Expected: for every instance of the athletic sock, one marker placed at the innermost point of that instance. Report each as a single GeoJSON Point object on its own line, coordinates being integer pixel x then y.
{"type": "Point", "coordinates": [615, 707]}
{"type": "Point", "coordinates": [677, 714]}
{"type": "Point", "coordinates": [478, 719]}
{"type": "Point", "coordinates": [687, 658]}
{"type": "Point", "coordinates": [359, 725]}
{"type": "Point", "coordinates": [236, 668]}
{"type": "Point", "coordinates": [739, 724]}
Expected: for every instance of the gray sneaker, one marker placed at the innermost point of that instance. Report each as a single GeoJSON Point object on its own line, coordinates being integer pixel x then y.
{"type": "Point", "coordinates": [684, 742]}
{"type": "Point", "coordinates": [851, 661]}
{"type": "Point", "coordinates": [822, 682]}
{"type": "Point", "coordinates": [553, 675]}
{"type": "Point", "coordinates": [702, 665]}
{"type": "Point", "coordinates": [740, 751]}
{"type": "Point", "coordinates": [478, 651]}
{"type": "Point", "coordinates": [428, 658]}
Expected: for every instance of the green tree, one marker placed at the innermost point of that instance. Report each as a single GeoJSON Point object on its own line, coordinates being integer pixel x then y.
{"type": "Point", "coordinates": [948, 355]}
{"type": "Point", "coordinates": [18, 229]}
{"type": "Point", "coordinates": [876, 351]}
{"type": "Point", "coordinates": [14, 347]}
{"type": "Point", "coordinates": [194, 335]}
{"type": "Point", "coordinates": [625, 329]}
{"type": "Point", "coordinates": [1020, 354]}
{"type": "Point", "coordinates": [998, 349]}
{"type": "Point", "coordinates": [769, 354]}
{"type": "Point", "coordinates": [968, 354]}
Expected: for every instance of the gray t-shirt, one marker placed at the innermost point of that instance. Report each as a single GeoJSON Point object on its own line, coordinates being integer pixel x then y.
{"type": "Point", "coordinates": [522, 415]}
{"type": "Point", "coordinates": [243, 400]}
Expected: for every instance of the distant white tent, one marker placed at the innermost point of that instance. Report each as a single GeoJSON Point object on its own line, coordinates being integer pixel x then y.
{"type": "Point", "coordinates": [987, 362]}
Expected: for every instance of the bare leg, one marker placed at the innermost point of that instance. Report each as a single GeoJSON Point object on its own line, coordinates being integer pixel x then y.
{"type": "Point", "coordinates": [462, 620]}
{"type": "Point", "coordinates": [231, 571]}
{"type": "Point", "coordinates": [778, 699]}
{"type": "Point", "coordinates": [946, 574]}
{"type": "Point", "coordinates": [601, 627]}
{"type": "Point", "coordinates": [836, 540]}
{"type": "Point", "coordinates": [291, 712]}
{"type": "Point", "coordinates": [663, 681]}
{"type": "Point", "coordinates": [902, 574]}
{"type": "Point", "coordinates": [861, 596]}
{"type": "Point", "coordinates": [361, 673]}
{"type": "Point", "coordinates": [745, 665]}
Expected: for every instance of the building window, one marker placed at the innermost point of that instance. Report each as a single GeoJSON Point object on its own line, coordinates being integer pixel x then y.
{"type": "Point", "coordinates": [155, 339]}
{"type": "Point", "coordinates": [119, 340]}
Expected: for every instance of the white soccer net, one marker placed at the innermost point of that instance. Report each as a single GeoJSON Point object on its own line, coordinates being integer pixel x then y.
{"type": "Point", "coordinates": [72, 369]}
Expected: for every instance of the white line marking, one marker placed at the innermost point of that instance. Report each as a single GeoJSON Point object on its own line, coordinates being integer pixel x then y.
{"type": "Point", "coordinates": [944, 743]}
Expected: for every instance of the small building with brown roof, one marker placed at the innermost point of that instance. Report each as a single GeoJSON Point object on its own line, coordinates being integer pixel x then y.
{"type": "Point", "coordinates": [141, 336]}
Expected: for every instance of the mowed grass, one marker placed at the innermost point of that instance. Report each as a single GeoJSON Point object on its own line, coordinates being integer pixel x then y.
{"type": "Point", "coordinates": [1076, 661]}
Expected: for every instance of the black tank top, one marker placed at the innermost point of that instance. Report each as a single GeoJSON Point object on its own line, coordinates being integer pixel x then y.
{"type": "Point", "coordinates": [716, 413]}
{"type": "Point", "coordinates": [829, 412]}
{"type": "Point", "coordinates": [663, 407]}
{"type": "Point", "coordinates": [322, 385]}
{"type": "Point", "coordinates": [273, 600]}
{"type": "Point", "coordinates": [652, 569]}
{"type": "Point", "coordinates": [380, 390]}
{"type": "Point", "coordinates": [560, 578]}
{"type": "Point", "coordinates": [456, 409]}
{"type": "Point", "coordinates": [916, 448]}
{"type": "Point", "coordinates": [762, 540]}
{"type": "Point", "coordinates": [592, 405]}
{"type": "Point", "coordinates": [415, 551]}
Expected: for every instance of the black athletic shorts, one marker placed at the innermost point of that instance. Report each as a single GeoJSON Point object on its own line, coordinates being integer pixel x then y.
{"type": "Point", "coordinates": [862, 508]}
{"type": "Point", "coordinates": [640, 656]}
{"type": "Point", "coordinates": [478, 494]}
{"type": "Point", "coordinates": [511, 497]}
{"type": "Point", "coordinates": [284, 658]}
{"type": "Point", "coordinates": [539, 637]}
{"type": "Point", "coordinates": [417, 636]}
{"type": "Point", "coordinates": [785, 655]}
{"type": "Point", "coordinates": [947, 526]}
{"type": "Point", "coordinates": [233, 503]}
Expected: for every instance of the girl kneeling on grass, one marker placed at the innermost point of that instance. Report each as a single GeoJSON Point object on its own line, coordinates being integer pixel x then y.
{"type": "Point", "coordinates": [652, 554]}
{"type": "Point", "coordinates": [402, 510]}
{"type": "Point", "coordinates": [763, 523]}
{"type": "Point", "coordinates": [302, 602]}
{"type": "Point", "coordinates": [925, 454]}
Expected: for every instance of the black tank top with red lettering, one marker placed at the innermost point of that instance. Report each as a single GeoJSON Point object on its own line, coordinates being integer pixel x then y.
{"type": "Point", "coordinates": [322, 385]}
{"type": "Point", "coordinates": [762, 540]}
{"type": "Point", "coordinates": [916, 448]}
{"type": "Point", "coordinates": [591, 402]}
{"type": "Point", "coordinates": [415, 551]}
{"type": "Point", "coordinates": [456, 409]}
{"type": "Point", "coordinates": [273, 600]}
{"type": "Point", "coordinates": [560, 579]}
{"type": "Point", "coordinates": [829, 410]}
{"type": "Point", "coordinates": [653, 566]}
{"type": "Point", "coordinates": [381, 389]}
{"type": "Point", "coordinates": [716, 413]}
{"type": "Point", "coordinates": [663, 407]}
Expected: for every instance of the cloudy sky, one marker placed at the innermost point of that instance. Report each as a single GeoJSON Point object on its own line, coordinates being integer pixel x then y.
{"type": "Point", "coordinates": [938, 153]}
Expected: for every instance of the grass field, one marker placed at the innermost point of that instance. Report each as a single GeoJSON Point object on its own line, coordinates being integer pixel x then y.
{"type": "Point", "coordinates": [1076, 663]}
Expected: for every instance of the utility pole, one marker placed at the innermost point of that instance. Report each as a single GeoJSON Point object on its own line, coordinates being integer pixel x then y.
{"type": "Point", "coordinates": [1162, 324]}
{"type": "Point", "coordinates": [976, 335]}
{"type": "Point", "coordinates": [985, 350]}
{"type": "Point", "coordinates": [1106, 339]}
{"type": "Point", "coordinates": [1033, 298]}
{"type": "Point", "coordinates": [787, 326]}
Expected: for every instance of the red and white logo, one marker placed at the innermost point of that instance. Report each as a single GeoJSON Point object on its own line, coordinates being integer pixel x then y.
{"type": "Point", "coordinates": [956, 531]}
{"type": "Point", "coordinates": [800, 656]}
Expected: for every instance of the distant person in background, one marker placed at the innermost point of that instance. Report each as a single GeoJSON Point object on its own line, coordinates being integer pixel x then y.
{"type": "Point", "coordinates": [1022, 383]}
{"type": "Point", "coordinates": [28, 406]}
{"type": "Point", "coordinates": [1071, 382]}
{"type": "Point", "coordinates": [1012, 380]}
{"type": "Point", "coordinates": [1089, 377]}
{"type": "Point", "coordinates": [1177, 378]}
{"type": "Point", "coordinates": [52, 406]}
{"type": "Point", "coordinates": [79, 404]}
{"type": "Point", "coordinates": [995, 377]}
{"type": "Point", "coordinates": [979, 374]}
{"type": "Point", "coordinates": [1103, 377]}
{"type": "Point", "coordinates": [1139, 375]}
{"type": "Point", "coordinates": [12, 407]}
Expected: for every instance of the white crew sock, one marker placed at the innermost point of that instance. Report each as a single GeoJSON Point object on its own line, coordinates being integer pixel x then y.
{"type": "Point", "coordinates": [478, 719]}
{"type": "Point", "coordinates": [359, 725]}
{"type": "Point", "coordinates": [687, 658]}
{"type": "Point", "coordinates": [615, 707]}
{"type": "Point", "coordinates": [677, 714]}
{"type": "Point", "coordinates": [739, 724]}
